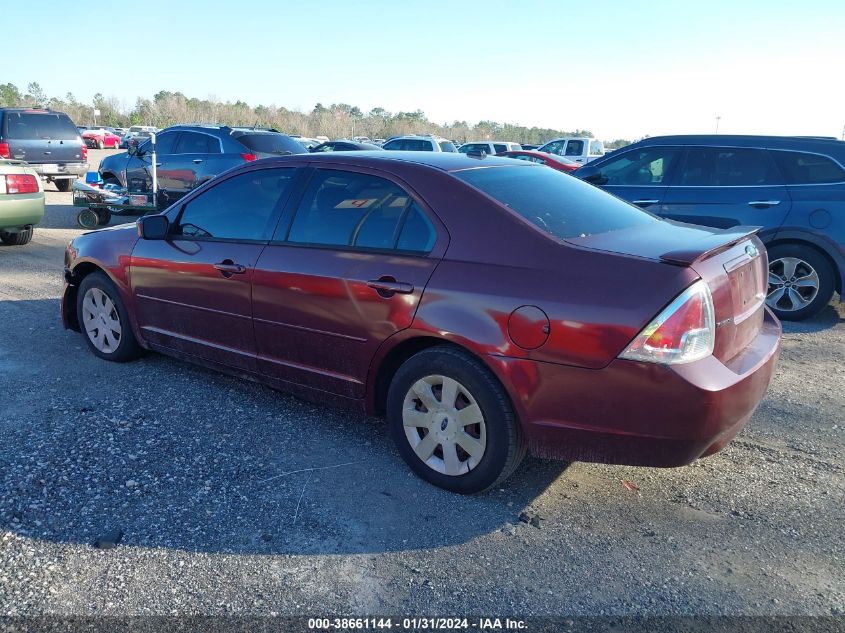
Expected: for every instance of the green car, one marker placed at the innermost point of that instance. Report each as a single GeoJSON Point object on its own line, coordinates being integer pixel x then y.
{"type": "Point", "coordinates": [21, 201]}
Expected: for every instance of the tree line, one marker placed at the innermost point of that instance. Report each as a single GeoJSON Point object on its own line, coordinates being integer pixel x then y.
{"type": "Point", "coordinates": [335, 121]}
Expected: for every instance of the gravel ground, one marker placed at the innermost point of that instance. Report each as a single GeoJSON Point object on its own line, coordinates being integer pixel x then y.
{"type": "Point", "coordinates": [225, 497]}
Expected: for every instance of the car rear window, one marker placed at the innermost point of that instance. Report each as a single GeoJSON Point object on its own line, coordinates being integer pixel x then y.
{"type": "Point", "coordinates": [799, 168]}
{"type": "Point", "coordinates": [555, 202]}
{"type": "Point", "coordinates": [409, 144]}
{"type": "Point", "coordinates": [38, 125]}
{"type": "Point", "coordinates": [271, 144]}
{"type": "Point", "coordinates": [448, 146]}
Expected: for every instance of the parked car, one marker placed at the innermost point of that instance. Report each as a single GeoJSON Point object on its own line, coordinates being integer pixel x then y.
{"type": "Point", "coordinates": [136, 132]}
{"type": "Point", "coordinates": [21, 201]}
{"type": "Point", "coordinates": [793, 187]}
{"type": "Point", "coordinates": [101, 138]}
{"type": "Point", "coordinates": [189, 155]}
{"type": "Point", "coordinates": [419, 144]}
{"type": "Point", "coordinates": [486, 306]}
{"type": "Point", "coordinates": [343, 146]}
{"type": "Point", "coordinates": [47, 140]}
{"type": "Point", "coordinates": [550, 160]}
{"type": "Point", "coordinates": [490, 148]}
{"type": "Point", "coordinates": [580, 149]}
{"type": "Point", "coordinates": [307, 143]}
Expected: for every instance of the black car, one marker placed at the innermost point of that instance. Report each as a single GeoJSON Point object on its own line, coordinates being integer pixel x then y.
{"type": "Point", "coordinates": [344, 146]}
{"type": "Point", "coordinates": [189, 155]}
{"type": "Point", "coordinates": [792, 187]}
{"type": "Point", "coordinates": [529, 146]}
{"type": "Point", "coordinates": [46, 139]}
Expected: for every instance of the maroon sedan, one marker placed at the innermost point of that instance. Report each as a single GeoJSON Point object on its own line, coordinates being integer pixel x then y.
{"type": "Point", "coordinates": [486, 306]}
{"type": "Point", "coordinates": [550, 160]}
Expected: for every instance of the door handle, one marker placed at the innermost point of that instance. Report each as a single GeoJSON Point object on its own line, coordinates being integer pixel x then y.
{"type": "Point", "coordinates": [197, 161]}
{"type": "Point", "coordinates": [645, 203]}
{"type": "Point", "coordinates": [763, 203]}
{"type": "Point", "coordinates": [388, 286]}
{"type": "Point", "coordinates": [228, 268]}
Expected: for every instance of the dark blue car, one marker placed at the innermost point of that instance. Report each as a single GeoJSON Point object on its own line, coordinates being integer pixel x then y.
{"type": "Point", "coordinates": [793, 187]}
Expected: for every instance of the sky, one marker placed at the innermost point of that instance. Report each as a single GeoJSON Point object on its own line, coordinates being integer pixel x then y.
{"type": "Point", "coordinates": [621, 69]}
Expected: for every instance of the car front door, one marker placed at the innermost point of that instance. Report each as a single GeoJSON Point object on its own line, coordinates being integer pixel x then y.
{"type": "Point", "coordinates": [139, 176]}
{"type": "Point", "coordinates": [193, 290]}
{"type": "Point", "coordinates": [639, 176]}
{"type": "Point", "coordinates": [727, 186]}
{"type": "Point", "coordinates": [345, 271]}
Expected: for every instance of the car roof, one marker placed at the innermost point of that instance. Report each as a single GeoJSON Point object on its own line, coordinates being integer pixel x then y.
{"type": "Point", "coordinates": [445, 161]}
{"type": "Point", "coordinates": [741, 140]}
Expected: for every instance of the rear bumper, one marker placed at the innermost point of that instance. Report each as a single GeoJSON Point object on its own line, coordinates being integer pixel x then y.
{"type": "Point", "coordinates": [59, 171]}
{"type": "Point", "coordinates": [640, 413]}
{"type": "Point", "coordinates": [21, 210]}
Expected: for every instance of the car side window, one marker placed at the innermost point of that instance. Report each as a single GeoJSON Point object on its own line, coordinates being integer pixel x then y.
{"type": "Point", "coordinates": [799, 168]}
{"type": "Point", "coordinates": [349, 209]}
{"type": "Point", "coordinates": [647, 166]}
{"type": "Point", "coordinates": [239, 208]}
{"type": "Point", "coordinates": [193, 143]}
{"type": "Point", "coordinates": [164, 143]}
{"type": "Point", "coordinates": [555, 148]}
{"type": "Point", "coordinates": [574, 148]}
{"type": "Point", "coordinates": [500, 147]}
{"type": "Point", "coordinates": [727, 167]}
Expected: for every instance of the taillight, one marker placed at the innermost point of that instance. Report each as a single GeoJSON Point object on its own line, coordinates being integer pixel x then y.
{"type": "Point", "coordinates": [249, 157]}
{"type": "Point", "coordinates": [684, 332]}
{"type": "Point", "coordinates": [84, 152]}
{"type": "Point", "coordinates": [5, 152]}
{"type": "Point", "coordinates": [20, 183]}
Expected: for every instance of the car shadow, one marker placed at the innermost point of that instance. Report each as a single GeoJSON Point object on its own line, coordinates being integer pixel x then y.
{"type": "Point", "coordinates": [169, 455]}
{"type": "Point", "coordinates": [829, 316]}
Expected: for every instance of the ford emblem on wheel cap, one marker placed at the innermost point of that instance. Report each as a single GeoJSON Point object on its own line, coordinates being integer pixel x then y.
{"type": "Point", "coordinates": [751, 250]}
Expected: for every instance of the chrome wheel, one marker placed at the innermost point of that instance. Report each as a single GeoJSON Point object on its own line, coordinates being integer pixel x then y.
{"type": "Point", "coordinates": [444, 425]}
{"type": "Point", "coordinates": [101, 320]}
{"type": "Point", "coordinates": [793, 284]}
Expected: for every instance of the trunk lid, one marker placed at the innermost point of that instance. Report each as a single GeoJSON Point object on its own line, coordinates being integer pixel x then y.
{"type": "Point", "coordinates": [732, 262]}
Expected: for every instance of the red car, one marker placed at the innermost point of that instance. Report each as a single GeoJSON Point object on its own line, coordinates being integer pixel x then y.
{"type": "Point", "coordinates": [485, 306]}
{"type": "Point", "coordinates": [101, 138]}
{"type": "Point", "coordinates": [555, 162]}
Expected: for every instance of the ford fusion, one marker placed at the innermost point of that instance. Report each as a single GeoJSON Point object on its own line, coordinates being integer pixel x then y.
{"type": "Point", "coordinates": [485, 307]}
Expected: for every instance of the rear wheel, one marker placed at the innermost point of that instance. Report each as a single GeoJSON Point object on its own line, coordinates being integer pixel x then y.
{"type": "Point", "coordinates": [104, 320]}
{"type": "Point", "coordinates": [64, 184]}
{"type": "Point", "coordinates": [16, 239]}
{"type": "Point", "coordinates": [801, 281]}
{"type": "Point", "coordinates": [453, 422]}
{"type": "Point", "coordinates": [101, 144]}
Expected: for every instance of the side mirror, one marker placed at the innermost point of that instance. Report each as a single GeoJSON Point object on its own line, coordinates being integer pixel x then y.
{"type": "Point", "coordinates": [153, 227]}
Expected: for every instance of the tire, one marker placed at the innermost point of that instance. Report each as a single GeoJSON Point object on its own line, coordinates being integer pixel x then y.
{"type": "Point", "coordinates": [88, 219]}
{"type": "Point", "coordinates": [790, 263]}
{"type": "Point", "coordinates": [17, 239]}
{"type": "Point", "coordinates": [115, 145]}
{"type": "Point", "coordinates": [98, 304]}
{"type": "Point", "coordinates": [64, 184]}
{"type": "Point", "coordinates": [104, 217]}
{"type": "Point", "coordinates": [498, 444]}
{"type": "Point", "coordinates": [101, 144]}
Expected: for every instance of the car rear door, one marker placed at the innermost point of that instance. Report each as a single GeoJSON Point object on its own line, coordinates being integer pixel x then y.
{"type": "Point", "coordinates": [345, 270]}
{"type": "Point", "coordinates": [727, 186]}
{"type": "Point", "coordinates": [139, 176]}
{"type": "Point", "coordinates": [639, 175]}
{"type": "Point", "coordinates": [193, 290]}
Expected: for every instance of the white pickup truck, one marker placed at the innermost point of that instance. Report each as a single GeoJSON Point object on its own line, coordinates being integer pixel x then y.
{"type": "Point", "coordinates": [581, 149]}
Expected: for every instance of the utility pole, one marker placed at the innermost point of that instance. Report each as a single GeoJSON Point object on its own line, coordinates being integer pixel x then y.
{"type": "Point", "coordinates": [718, 118]}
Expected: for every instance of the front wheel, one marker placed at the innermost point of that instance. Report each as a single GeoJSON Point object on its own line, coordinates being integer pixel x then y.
{"type": "Point", "coordinates": [453, 422]}
{"type": "Point", "coordinates": [801, 281]}
{"type": "Point", "coordinates": [104, 320]}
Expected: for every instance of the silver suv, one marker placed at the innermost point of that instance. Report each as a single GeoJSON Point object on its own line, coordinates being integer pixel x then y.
{"type": "Point", "coordinates": [416, 143]}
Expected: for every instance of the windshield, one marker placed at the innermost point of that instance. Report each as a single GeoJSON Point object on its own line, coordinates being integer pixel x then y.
{"type": "Point", "coordinates": [271, 143]}
{"type": "Point", "coordinates": [554, 201]}
{"type": "Point", "coordinates": [36, 125]}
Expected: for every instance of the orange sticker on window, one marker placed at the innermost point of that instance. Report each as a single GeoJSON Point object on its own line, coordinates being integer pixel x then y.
{"type": "Point", "coordinates": [352, 203]}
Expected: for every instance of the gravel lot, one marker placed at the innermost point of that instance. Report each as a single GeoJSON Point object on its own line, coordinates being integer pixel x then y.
{"type": "Point", "coordinates": [232, 498]}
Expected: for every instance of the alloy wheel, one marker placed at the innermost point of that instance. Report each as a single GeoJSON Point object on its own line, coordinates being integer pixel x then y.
{"type": "Point", "coordinates": [101, 320]}
{"type": "Point", "coordinates": [444, 425]}
{"type": "Point", "coordinates": [793, 284]}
